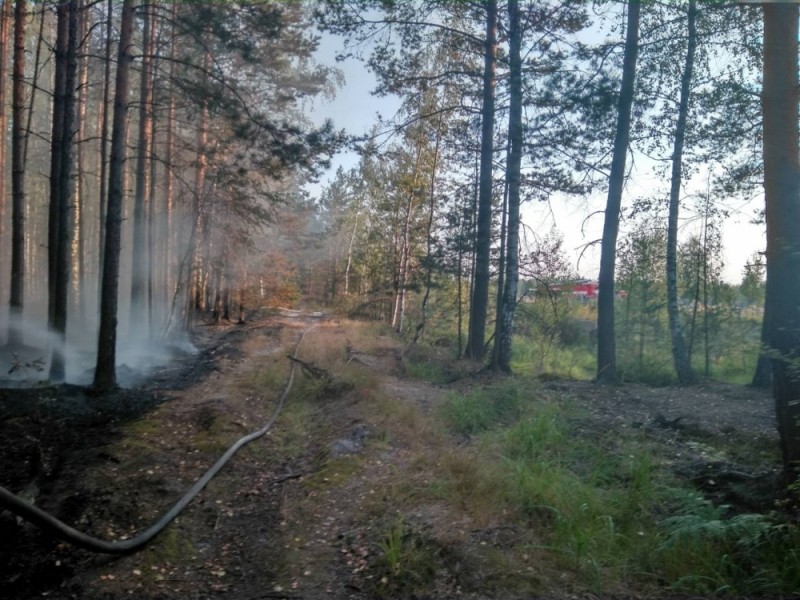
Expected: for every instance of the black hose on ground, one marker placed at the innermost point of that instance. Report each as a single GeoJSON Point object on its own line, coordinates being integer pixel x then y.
{"type": "Point", "coordinates": [49, 523]}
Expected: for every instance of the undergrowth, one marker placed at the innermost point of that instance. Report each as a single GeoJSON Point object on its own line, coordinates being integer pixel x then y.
{"type": "Point", "coordinates": [406, 562]}
{"type": "Point", "coordinates": [604, 508]}
{"type": "Point", "coordinates": [484, 409]}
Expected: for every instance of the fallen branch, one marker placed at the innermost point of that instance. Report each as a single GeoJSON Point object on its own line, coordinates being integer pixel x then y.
{"type": "Point", "coordinates": [311, 369]}
{"type": "Point", "coordinates": [287, 477]}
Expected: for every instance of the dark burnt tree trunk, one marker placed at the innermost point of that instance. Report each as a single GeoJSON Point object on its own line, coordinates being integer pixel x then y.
{"type": "Point", "coordinates": [782, 194]}
{"type": "Point", "coordinates": [606, 343]}
{"type": "Point", "coordinates": [680, 355]}
{"type": "Point", "coordinates": [64, 104]}
{"type": "Point", "coordinates": [56, 148]}
{"type": "Point", "coordinates": [17, 178]}
{"type": "Point", "coordinates": [513, 167]}
{"type": "Point", "coordinates": [105, 376]}
{"type": "Point", "coordinates": [479, 304]}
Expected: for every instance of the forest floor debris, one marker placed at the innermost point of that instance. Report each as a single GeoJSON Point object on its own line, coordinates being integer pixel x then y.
{"type": "Point", "coordinates": [295, 517]}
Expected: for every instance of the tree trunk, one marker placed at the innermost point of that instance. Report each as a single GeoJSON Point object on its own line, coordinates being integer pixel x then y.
{"type": "Point", "coordinates": [195, 289]}
{"type": "Point", "coordinates": [17, 178]}
{"type": "Point", "coordinates": [104, 142]}
{"type": "Point", "coordinates": [606, 343]}
{"type": "Point", "coordinates": [642, 315]}
{"type": "Point", "coordinates": [429, 233]}
{"type": "Point", "coordinates": [141, 245]}
{"type": "Point", "coordinates": [37, 63]}
{"type": "Point", "coordinates": [762, 378]}
{"type": "Point", "coordinates": [79, 222]}
{"type": "Point", "coordinates": [61, 197]}
{"type": "Point", "coordinates": [349, 264]}
{"type": "Point", "coordinates": [706, 365]}
{"type": "Point", "coordinates": [480, 290]}
{"type": "Point", "coordinates": [680, 356]}
{"type": "Point", "coordinates": [167, 224]}
{"type": "Point", "coordinates": [695, 305]}
{"type": "Point", "coordinates": [6, 17]}
{"type": "Point", "coordinates": [782, 193]}
{"type": "Point", "coordinates": [513, 168]}
{"type": "Point", "coordinates": [105, 372]}
{"type": "Point", "coordinates": [501, 272]}
{"type": "Point", "coordinates": [404, 267]}
{"type": "Point", "coordinates": [56, 151]}
{"type": "Point", "coordinates": [156, 243]}
{"type": "Point", "coordinates": [460, 285]}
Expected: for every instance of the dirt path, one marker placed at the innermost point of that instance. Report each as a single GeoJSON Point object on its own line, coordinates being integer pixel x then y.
{"type": "Point", "coordinates": [318, 507]}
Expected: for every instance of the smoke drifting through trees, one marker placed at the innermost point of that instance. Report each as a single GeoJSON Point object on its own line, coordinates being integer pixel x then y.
{"type": "Point", "coordinates": [193, 191]}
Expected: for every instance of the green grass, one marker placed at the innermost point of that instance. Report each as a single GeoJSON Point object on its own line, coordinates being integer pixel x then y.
{"type": "Point", "coordinates": [483, 409]}
{"type": "Point", "coordinates": [743, 555]}
{"type": "Point", "coordinates": [426, 371]}
{"type": "Point", "coordinates": [602, 507]}
{"type": "Point", "coordinates": [534, 356]}
{"type": "Point", "coordinates": [406, 562]}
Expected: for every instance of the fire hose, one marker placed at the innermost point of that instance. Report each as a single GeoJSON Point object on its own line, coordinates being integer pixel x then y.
{"type": "Point", "coordinates": [51, 524]}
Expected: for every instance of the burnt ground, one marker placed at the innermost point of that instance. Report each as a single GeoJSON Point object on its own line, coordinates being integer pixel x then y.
{"type": "Point", "coordinates": [280, 520]}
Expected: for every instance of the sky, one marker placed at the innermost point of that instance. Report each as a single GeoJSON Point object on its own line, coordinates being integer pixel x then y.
{"type": "Point", "coordinates": [579, 220]}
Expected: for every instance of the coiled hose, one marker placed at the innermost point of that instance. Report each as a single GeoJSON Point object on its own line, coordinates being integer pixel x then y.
{"type": "Point", "coordinates": [49, 523]}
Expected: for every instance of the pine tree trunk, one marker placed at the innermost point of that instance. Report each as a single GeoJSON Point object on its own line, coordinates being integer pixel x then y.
{"type": "Point", "coordinates": [17, 178]}
{"type": "Point", "coordinates": [37, 63]}
{"type": "Point", "coordinates": [79, 222]}
{"type": "Point", "coordinates": [6, 18]}
{"type": "Point", "coordinates": [782, 193]}
{"type": "Point", "coordinates": [141, 245]}
{"type": "Point", "coordinates": [606, 343]}
{"type": "Point", "coordinates": [61, 197]}
{"type": "Point", "coordinates": [480, 292]}
{"type": "Point", "coordinates": [169, 234]}
{"type": "Point", "coordinates": [501, 273]}
{"type": "Point", "coordinates": [105, 372]}
{"type": "Point", "coordinates": [680, 356]}
{"type": "Point", "coordinates": [762, 378]}
{"type": "Point", "coordinates": [56, 151]}
{"type": "Point", "coordinates": [706, 361]}
{"type": "Point", "coordinates": [195, 242]}
{"type": "Point", "coordinates": [513, 167]}
{"type": "Point", "coordinates": [104, 120]}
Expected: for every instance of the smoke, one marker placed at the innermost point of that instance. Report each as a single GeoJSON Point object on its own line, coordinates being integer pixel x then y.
{"type": "Point", "coordinates": [29, 365]}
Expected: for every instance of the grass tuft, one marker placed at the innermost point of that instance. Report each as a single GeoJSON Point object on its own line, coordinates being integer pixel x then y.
{"type": "Point", "coordinates": [484, 408]}
{"type": "Point", "coordinates": [406, 563]}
